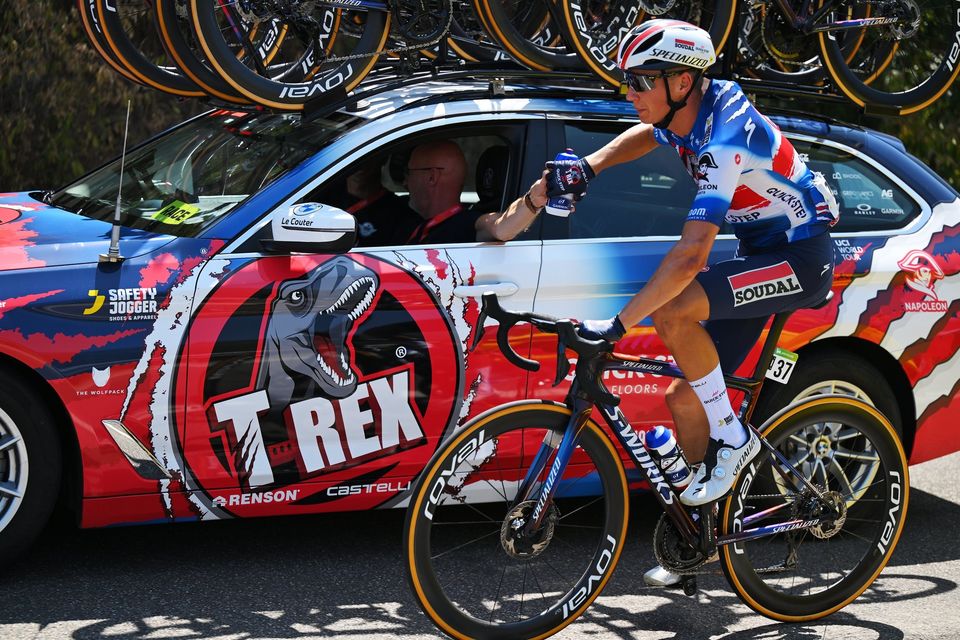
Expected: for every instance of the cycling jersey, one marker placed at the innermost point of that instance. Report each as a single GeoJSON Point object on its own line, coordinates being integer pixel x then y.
{"type": "Point", "coordinates": [748, 174]}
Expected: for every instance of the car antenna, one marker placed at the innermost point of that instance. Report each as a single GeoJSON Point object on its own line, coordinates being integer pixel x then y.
{"type": "Point", "coordinates": [113, 253]}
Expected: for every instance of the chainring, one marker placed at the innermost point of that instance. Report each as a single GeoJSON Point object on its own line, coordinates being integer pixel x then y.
{"type": "Point", "coordinates": [421, 22]}
{"type": "Point", "coordinates": [672, 552]}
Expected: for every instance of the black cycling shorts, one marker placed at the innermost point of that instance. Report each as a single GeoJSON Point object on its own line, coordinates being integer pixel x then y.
{"type": "Point", "coordinates": [745, 291]}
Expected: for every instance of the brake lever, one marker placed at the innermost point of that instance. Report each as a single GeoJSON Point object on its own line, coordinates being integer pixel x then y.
{"type": "Point", "coordinates": [478, 329]}
{"type": "Point", "coordinates": [564, 329]}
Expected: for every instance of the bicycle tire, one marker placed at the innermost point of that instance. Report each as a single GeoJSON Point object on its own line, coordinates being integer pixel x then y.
{"type": "Point", "coordinates": [428, 526]}
{"type": "Point", "coordinates": [873, 467]}
{"type": "Point", "coordinates": [538, 42]}
{"type": "Point", "coordinates": [796, 54]}
{"type": "Point", "coordinates": [176, 34]}
{"type": "Point", "coordinates": [905, 87]}
{"type": "Point", "coordinates": [91, 26]}
{"type": "Point", "coordinates": [599, 53]}
{"type": "Point", "coordinates": [116, 17]}
{"type": "Point", "coordinates": [298, 82]}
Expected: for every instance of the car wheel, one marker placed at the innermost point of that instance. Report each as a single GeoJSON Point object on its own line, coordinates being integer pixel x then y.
{"type": "Point", "coordinates": [820, 449]}
{"type": "Point", "coordinates": [29, 466]}
{"type": "Point", "coordinates": [834, 373]}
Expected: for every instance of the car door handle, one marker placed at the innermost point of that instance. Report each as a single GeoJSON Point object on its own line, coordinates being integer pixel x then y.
{"type": "Point", "coordinates": [477, 290]}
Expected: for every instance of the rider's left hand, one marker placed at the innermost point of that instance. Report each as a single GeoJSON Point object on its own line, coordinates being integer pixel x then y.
{"type": "Point", "coordinates": [610, 330]}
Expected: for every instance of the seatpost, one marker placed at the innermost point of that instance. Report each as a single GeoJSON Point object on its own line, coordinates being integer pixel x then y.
{"type": "Point", "coordinates": [776, 328]}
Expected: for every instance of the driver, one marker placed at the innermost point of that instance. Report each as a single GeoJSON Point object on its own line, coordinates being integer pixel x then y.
{"type": "Point", "coordinates": [748, 175]}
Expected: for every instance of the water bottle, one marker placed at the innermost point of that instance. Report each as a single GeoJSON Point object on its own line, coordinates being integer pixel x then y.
{"type": "Point", "coordinates": [561, 205]}
{"type": "Point", "coordinates": [666, 452]}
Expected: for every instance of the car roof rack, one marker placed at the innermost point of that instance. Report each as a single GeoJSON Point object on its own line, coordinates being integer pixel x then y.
{"type": "Point", "coordinates": [394, 77]}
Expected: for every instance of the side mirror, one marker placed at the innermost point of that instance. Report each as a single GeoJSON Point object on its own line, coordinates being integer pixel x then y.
{"type": "Point", "coordinates": [311, 227]}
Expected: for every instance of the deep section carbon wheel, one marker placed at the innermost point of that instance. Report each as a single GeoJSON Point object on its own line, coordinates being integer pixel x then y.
{"type": "Point", "coordinates": [476, 569]}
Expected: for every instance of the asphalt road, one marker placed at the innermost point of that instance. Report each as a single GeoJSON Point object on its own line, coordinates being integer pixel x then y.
{"type": "Point", "coordinates": [342, 576]}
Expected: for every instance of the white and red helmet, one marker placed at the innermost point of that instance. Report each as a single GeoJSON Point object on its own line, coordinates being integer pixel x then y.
{"type": "Point", "coordinates": [658, 45]}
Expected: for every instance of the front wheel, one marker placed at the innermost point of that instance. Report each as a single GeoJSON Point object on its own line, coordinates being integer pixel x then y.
{"type": "Point", "coordinates": [852, 454]}
{"type": "Point", "coordinates": [29, 466]}
{"type": "Point", "coordinates": [471, 572]}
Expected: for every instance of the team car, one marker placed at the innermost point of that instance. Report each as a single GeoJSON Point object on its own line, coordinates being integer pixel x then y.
{"type": "Point", "coordinates": [239, 353]}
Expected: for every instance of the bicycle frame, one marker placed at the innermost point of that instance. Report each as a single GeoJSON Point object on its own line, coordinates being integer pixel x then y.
{"type": "Point", "coordinates": [813, 24]}
{"type": "Point", "coordinates": [631, 442]}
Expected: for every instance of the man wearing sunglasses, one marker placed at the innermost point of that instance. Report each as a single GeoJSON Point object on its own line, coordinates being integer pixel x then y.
{"type": "Point", "coordinates": [747, 174]}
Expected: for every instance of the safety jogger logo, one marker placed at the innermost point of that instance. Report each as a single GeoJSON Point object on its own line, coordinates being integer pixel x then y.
{"type": "Point", "coordinates": [764, 283]}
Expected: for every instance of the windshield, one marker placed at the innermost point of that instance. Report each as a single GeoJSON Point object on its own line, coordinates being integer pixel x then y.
{"type": "Point", "coordinates": [183, 181]}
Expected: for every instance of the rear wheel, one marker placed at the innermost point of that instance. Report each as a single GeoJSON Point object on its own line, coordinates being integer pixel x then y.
{"type": "Point", "coordinates": [903, 66]}
{"type": "Point", "coordinates": [29, 466]}
{"type": "Point", "coordinates": [849, 451]}
{"type": "Point", "coordinates": [595, 27]}
{"type": "Point", "coordinates": [531, 32]}
{"type": "Point", "coordinates": [471, 571]}
{"type": "Point", "coordinates": [303, 67]}
{"type": "Point", "coordinates": [130, 33]}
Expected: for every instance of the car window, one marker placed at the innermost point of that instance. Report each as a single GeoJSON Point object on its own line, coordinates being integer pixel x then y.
{"type": "Point", "coordinates": [375, 190]}
{"type": "Point", "coordinates": [869, 200]}
{"type": "Point", "coordinates": [648, 197]}
{"type": "Point", "coordinates": [183, 180]}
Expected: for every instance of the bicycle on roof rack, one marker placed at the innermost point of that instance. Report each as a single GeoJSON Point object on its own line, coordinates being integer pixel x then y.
{"type": "Point", "coordinates": [887, 56]}
{"type": "Point", "coordinates": [517, 522]}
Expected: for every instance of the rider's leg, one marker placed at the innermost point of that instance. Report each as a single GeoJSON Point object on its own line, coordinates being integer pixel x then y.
{"type": "Point", "coordinates": [678, 325]}
{"type": "Point", "coordinates": [687, 411]}
{"type": "Point", "coordinates": [730, 445]}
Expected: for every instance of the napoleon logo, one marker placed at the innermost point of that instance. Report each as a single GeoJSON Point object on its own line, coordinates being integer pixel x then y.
{"type": "Point", "coordinates": [922, 272]}
{"type": "Point", "coordinates": [764, 283]}
{"type": "Point", "coordinates": [704, 163]}
{"type": "Point", "coordinates": [307, 329]}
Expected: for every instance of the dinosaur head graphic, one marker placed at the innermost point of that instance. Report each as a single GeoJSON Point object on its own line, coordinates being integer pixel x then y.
{"type": "Point", "coordinates": [306, 334]}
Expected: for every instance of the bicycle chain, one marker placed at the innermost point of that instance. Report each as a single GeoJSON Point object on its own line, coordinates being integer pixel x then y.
{"type": "Point", "coordinates": [443, 34]}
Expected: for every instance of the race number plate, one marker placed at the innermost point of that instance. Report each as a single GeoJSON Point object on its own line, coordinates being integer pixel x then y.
{"type": "Point", "coordinates": [782, 365]}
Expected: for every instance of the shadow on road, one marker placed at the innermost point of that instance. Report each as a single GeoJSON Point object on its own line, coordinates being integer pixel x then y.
{"type": "Point", "coordinates": [342, 575]}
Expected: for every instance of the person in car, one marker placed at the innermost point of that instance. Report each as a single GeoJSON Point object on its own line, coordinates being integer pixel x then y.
{"type": "Point", "coordinates": [436, 173]}
{"type": "Point", "coordinates": [381, 215]}
{"type": "Point", "coordinates": [748, 175]}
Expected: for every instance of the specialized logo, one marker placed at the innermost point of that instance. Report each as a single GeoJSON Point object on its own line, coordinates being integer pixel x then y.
{"type": "Point", "coordinates": [922, 272]}
{"type": "Point", "coordinates": [311, 366]}
{"type": "Point", "coordinates": [764, 283]}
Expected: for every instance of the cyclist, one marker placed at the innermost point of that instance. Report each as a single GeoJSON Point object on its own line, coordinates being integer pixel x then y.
{"type": "Point", "coordinates": [748, 175]}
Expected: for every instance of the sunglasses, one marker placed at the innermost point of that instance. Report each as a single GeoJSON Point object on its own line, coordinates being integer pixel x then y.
{"type": "Point", "coordinates": [640, 83]}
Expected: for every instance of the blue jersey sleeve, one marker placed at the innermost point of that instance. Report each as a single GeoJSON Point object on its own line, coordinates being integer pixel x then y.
{"type": "Point", "coordinates": [717, 175]}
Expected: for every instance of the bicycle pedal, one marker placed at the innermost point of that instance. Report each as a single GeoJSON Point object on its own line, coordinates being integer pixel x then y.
{"type": "Point", "coordinates": [689, 585]}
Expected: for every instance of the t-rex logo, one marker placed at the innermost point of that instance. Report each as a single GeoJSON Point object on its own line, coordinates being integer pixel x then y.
{"type": "Point", "coordinates": [306, 335]}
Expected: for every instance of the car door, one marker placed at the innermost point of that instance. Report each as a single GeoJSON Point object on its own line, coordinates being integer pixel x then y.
{"type": "Point", "coordinates": [325, 381]}
{"type": "Point", "coordinates": [607, 250]}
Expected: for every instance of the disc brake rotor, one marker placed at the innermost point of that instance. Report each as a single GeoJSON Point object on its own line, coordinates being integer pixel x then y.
{"type": "Point", "coordinates": [519, 543]}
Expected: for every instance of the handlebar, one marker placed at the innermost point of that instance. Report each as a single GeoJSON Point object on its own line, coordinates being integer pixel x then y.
{"type": "Point", "coordinates": [589, 352]}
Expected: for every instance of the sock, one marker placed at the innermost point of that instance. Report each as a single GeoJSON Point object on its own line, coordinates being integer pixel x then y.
{"type": "Point", "coordinates": [724, 424]}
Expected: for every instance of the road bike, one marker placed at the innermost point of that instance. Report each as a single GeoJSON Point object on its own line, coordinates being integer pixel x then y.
{"type": "Point", "coordinates": [895, 56]}
{"type": "Point", "coordinates": [517, 522]}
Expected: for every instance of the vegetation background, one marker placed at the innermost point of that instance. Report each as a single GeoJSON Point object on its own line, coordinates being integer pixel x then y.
{"type": "Point", "coordinates": [62, 109]}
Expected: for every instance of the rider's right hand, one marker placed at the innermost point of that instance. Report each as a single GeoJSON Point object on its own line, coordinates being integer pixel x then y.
{"type": "Point", "coordinates": [568, 177]}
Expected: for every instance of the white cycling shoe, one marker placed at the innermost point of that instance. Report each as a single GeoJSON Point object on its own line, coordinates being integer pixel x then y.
{"type": "Point", "coordinates": [660, 577]}
{"type": "Point", "coordinates": [719, 470]}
